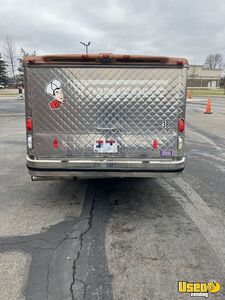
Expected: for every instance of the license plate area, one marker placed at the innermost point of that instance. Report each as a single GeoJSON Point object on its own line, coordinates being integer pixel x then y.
{"type": "Point", "coordinates": [106, 146]}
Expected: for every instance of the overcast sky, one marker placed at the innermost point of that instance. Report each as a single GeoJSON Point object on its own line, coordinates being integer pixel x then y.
{"type": "Point", "coordinates": [188, 28]}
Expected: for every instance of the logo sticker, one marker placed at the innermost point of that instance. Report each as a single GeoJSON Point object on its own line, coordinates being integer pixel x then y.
{"type": "Point", "coordinates": [166, 153]}
{"type": "Point", "coordinates": [54, 89]}
{"type": "Point", "coordinates": [199, 289]}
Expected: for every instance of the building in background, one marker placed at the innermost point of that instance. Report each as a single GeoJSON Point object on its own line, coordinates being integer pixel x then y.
{"type": "Point", "coordinates": [200, 77]}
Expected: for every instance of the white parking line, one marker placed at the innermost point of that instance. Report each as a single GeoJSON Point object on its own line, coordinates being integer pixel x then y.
{"type": "Point", "coordinates": [13, 133]}
{"type": "Point", "coordinates": [213, 157]}
{"type": "Point", "coordinates": [211, 226]}
{"type": "Point", "coordinates": [204, 137]}
{"type": "Point", "coordinates": [196, 100]}
{"type": "Point", "coordinates": [13, 114]}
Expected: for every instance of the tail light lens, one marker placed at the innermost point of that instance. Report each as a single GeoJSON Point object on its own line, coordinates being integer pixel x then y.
{"type": "Point", "coordinates": [29, 124]}
{"type": "Point", "coordinates": [180, 143]}
{"type": "Point", "coordinates": [181, 125]}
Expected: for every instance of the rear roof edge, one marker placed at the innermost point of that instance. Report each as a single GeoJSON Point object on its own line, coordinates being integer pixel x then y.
{"type": "Point", "coordinates": [104, 58]}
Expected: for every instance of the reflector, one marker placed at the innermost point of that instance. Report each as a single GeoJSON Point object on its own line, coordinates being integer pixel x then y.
{"type": "Point", "coordinates": [55, 143]}
{"type": "Point", "coordinates": [180, 143]}
{"type": "Point", "coordinates": [155, 144]}
{"type": "Point", "coordinates": [29, 142]}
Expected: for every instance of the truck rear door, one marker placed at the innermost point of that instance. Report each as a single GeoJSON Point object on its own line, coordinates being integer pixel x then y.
{"type": "Point", "coordinates": [120, 109]}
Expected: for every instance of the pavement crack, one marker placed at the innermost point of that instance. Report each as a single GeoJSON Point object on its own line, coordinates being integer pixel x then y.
{"type": "Point", "coordinates": [48, 272]}
{"type": "Point", "coordinates": [81, 239]}
{"type": "Point", "coordinates": [84, 287]}
{"type": "Point", "coordinates": [49, 262]}
{"type": "Point", "coordinates": [67, 237]}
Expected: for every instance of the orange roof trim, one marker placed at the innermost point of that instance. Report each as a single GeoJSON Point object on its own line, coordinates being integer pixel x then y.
{"type": "Point", "coordinates": [104, 58]}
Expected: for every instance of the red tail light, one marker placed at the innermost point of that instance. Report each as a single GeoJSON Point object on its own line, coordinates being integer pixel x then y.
{"type": "Point", "coordinates": [55, 143]}
{"type": "Point", "coordinates": [181, 62]}
{"type": "Point", "coordinates": [155, 144]}
{"type": "Point", "coordinates": [29, 124]}
{"type": "Point", "coordinates": [181, 125]}
{"type": "Point", "coordinates": [85, 56]}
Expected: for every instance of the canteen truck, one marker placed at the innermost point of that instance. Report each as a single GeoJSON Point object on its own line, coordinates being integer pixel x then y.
{"type": "Point", "coordinates": [104, 115]}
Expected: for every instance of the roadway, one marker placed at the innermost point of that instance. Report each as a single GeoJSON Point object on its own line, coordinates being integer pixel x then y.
{"type": "Point", "coordinates": [121, 239]}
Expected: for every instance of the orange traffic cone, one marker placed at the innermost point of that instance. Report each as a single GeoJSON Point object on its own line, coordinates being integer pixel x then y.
{"type": "Point", "coordinates": [208, 107]}
{"type": "Point", "coordinates": [190, 94]}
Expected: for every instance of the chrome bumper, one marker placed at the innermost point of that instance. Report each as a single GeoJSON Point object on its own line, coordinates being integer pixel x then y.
{"type": "Point", "coordinates": [66, 169]}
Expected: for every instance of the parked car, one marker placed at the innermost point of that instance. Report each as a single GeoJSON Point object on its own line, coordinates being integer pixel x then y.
{"type": "Point", "coordinates": [2, 87]}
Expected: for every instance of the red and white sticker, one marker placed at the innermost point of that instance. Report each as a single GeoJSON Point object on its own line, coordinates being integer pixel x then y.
{"type": "Point", "coordinates": [106, 146]}
{"type": "Point", "coordinates": [54, 89]}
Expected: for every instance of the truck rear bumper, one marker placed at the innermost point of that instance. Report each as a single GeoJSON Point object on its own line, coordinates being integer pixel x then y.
{"type": "Point", "coordinates": [44, 169]}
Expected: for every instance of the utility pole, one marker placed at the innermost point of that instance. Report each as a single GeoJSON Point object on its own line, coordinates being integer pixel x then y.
{"type": "Point", "coordinates": [86, 46]}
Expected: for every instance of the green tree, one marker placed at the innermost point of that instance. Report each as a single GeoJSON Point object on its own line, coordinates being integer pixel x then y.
{"type": "Point", "coordinates": [2, 69]}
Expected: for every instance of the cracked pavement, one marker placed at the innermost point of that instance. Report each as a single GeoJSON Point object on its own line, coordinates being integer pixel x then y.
{"type": "Point", "coordinates": [121, 239]}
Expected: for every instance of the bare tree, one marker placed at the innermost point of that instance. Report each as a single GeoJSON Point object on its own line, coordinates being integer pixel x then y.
{"type": "Point", "coordinates": [214, 61]}
{"type": "Point", "coordinates": [20, 68]}
{"type": "Point", "coordinates": [10, 54]}
{"type": "Point", "coordinates": [223, 81]}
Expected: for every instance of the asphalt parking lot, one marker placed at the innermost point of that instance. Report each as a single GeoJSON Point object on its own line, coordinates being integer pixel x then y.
{"type": "Point", "coordinates": [121, 239]}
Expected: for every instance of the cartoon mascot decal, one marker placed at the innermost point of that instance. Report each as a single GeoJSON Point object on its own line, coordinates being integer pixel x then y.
{"type": "Point", "coordinates": [53, 88]}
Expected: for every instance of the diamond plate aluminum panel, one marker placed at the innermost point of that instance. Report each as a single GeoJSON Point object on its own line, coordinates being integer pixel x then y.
{"type": "Point", "coordinates": [132, 105]}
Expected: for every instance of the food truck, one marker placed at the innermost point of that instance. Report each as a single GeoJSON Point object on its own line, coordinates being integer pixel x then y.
{"type": "Point", "coordinates": [104, 115]}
